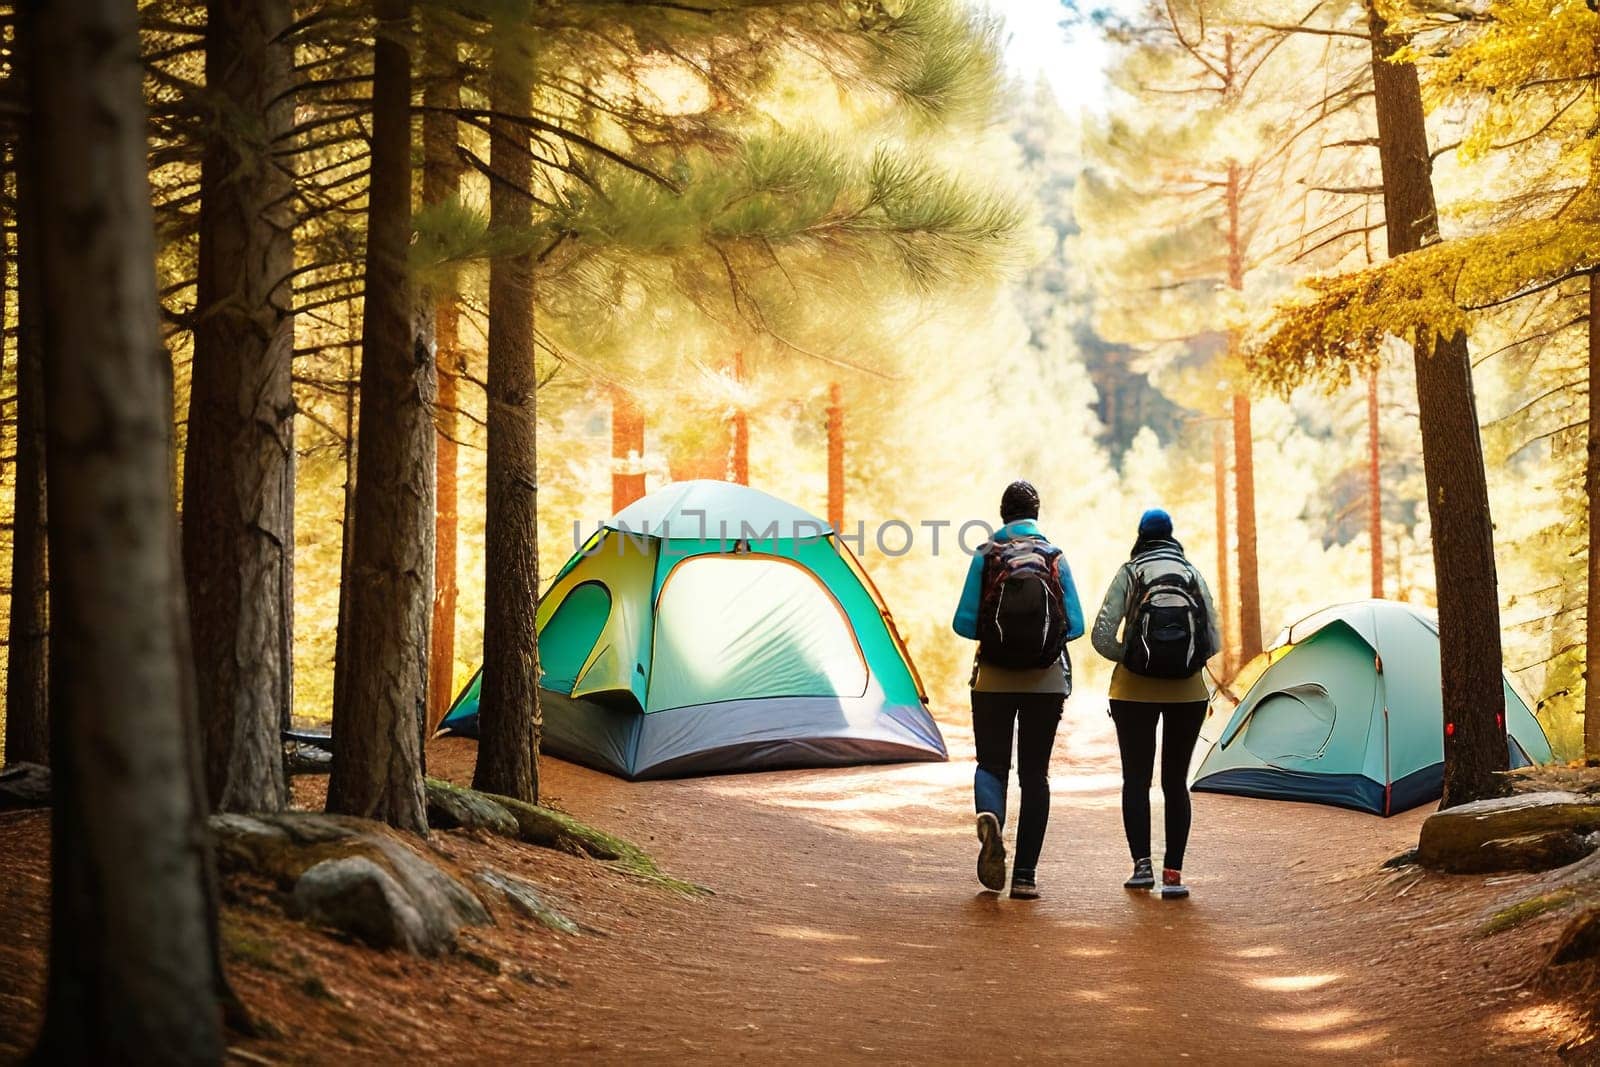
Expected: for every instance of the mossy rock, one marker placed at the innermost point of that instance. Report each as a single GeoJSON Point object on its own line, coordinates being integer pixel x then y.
{"type": "Point", "coordinates": [451, 807]}
{"type": "Point", "coordinates": [1515, 915]}
{"type": "Point", "coordinates": [1526, 832]}
{"type": "Point", "coordinates": [526, 899]}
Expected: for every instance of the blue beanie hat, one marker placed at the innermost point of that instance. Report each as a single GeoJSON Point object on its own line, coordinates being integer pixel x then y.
{"type": "Point", "coordinates": [1155, 525]}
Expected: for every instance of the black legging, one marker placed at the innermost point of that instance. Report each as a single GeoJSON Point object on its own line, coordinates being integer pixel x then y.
{"type": "Point", "coordinates": [1036, 716]}
{"type": "Point", "coordinates": [1136, 737]}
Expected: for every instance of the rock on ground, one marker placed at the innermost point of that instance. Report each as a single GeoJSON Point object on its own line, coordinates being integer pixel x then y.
{"type": "Point", "coordinates": [452, 808]}
{"type": "Point", "coordinates": [393, 897]}
{"type": "Point", "coordinates": [525, 899]}
{"type": "Point", "coordinates": [362, 899]}
{"type": "Point", "coordinates": [1527, 832]}
{"type": "Point", "coordinates": [24, 785]}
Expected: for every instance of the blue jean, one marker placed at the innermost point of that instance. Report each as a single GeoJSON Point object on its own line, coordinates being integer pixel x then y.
{"type": "Point", "coordinates": [1035, 717]}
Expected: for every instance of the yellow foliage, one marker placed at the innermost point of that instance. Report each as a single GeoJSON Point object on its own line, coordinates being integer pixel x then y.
{"type": "Point", "coordinates": [1338, 332]}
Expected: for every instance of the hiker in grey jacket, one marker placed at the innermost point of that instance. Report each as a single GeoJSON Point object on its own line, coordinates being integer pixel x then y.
{"type": "Point", "coordinates": [1138, 700]}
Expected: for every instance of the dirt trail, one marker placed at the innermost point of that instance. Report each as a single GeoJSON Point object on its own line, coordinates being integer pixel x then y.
{"type": "Point", "coordinates": [847, 925]}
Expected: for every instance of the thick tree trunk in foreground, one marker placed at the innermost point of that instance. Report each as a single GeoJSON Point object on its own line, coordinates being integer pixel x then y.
{"type": "Point", "coordinates": [835, 456]}
{"type": "Point", "coordinates": [1591, 662]}
{"type": "Point", "coordinates": [1374, 486]}
{"type": "Point", "coordinates": [27, 654]}
{"type": "Point", "coordinates": [441, 183]}
{"type": "Point", "coordinates": [238, 488]}
{"type": "Point", "coordinates": [508, 717]}
{"type": "Point", "coordinates": [381, 683]}
{"type": "Point", "coordinates": [627, 446]}
{"type": "Point", "coordinates": [131, 975]}
{"type": "Point", "coordinates": [1452, 454]}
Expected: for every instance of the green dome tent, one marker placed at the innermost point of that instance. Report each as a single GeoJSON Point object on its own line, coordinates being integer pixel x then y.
{"type": "Point", "coordinates": [1346, 710]}
{"type": "Point", "coordinates": [710, 627]}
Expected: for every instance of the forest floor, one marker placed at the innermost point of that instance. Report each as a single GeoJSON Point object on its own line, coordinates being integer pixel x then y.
{"type": "Point", "coordinates": [845, 925]}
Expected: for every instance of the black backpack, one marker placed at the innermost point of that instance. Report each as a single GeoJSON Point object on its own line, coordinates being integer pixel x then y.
{"type": "Point", "coordinates": [1168, 633]}
{"type": "Point", "coordinates": [1022, 622]}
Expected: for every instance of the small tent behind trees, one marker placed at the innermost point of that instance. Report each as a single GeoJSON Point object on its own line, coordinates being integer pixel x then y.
{"type": "Point", "coordinates": [1345, 709]}
{"type": "Point", "coordinates": [710, 627]}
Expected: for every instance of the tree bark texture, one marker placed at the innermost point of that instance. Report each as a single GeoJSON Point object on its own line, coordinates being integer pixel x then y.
{"type": "Point", "coordinates": [1452, 456]}
{"type": "Point", "coordinates": [1244, 472]}
{"type": "Point", "coordinates": [441, 183]}
{"type": "Point", "coordinates": [1591, 661]}
{"type": "Point", "coordinates": [1244, 492]}
{"type": "Point", "coordinates": [508, 717]}
{"type": "Point", "coordinates": [381, 683]}
{"type": "Point", "coordinates": [1219, 470]}
{"type": "Point", "coordinates": [131, 976]}
{"type": "Point", "coordinates": [238, 489]}
{"type": "Point", "coordinates": [27, 654]}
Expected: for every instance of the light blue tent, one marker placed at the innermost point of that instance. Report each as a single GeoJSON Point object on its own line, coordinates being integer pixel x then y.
{"type": "Point", "coordinates": [712, 627]}
{"type": "Point", "coordinates": [1346, 710]}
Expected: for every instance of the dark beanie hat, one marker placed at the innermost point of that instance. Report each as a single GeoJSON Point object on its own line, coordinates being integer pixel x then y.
{"type": "Point", "coordinates": [1155, 525]}
{"type": "Point", "coordinates": [1019, 501]}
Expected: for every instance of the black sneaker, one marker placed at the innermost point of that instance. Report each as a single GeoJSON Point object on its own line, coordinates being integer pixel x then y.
{"type": "Point", "coordinates": [1144, 875]}
{"type": "Point", "coordinates": [1024, 887]}
{"type": "Point", "coordinates": [1172, 887]}
{"type": "Point", "coordinates": [991, 854]}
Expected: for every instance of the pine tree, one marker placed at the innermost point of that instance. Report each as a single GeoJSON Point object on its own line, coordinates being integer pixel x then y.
{"type": "Point", "coordinates": [131, 938]}
{"type": "Point", "coordinates": [1526, 68]}
{"type": "Point", "coordinates": [1458, 496]}
{"type": "Point", "coordinates": [238, 491]}
{"type": "Point", "coordinates": [441, 185]}
{"type": "Point", "coordinates": [508, 716]}
{"type": "Point", "coordinates": [381, 684]}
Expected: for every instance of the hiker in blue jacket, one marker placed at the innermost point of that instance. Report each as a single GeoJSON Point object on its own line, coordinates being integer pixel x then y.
{"type": "Point", "coordinates": [1020, 605]}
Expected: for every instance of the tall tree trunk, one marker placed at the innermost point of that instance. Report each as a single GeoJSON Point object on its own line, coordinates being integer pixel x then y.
{"type": "Point", "coordinates": [1374, 486]}
{"type": "Point", "coordinates": [238, 534]}
{"type": "Point", "coordinates": [1452, 455]}
{"type": "Point", "coordinates": [1244, 491]}
{"type": "Point", "coordinates": [441, 183]}
{"type": "Point", "coordinates": [739, 472]}
{"type": "Point", "coordinates": [627, 446]}
{"type": "Point", "coordinates": [131, 972]}
{"type": "Point", "coordinates": [381, 684]}
{"type": "Point", "coordinates": [835, 457]}
{"type": "Point", "coordinates": [1591, 660]}
{"type": "Point", "coordinates": [1244, 471]}
{"type": "Point", "coordinates": [1219, 471]}
{"type": "Point", "coordinates": [508, 716]}
{"type": "Point", "coordinates": [347, 515]}
{"type": "Point", "coordinates": [27, 655]}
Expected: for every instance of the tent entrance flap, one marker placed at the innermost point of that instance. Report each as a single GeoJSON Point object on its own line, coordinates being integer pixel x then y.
{"type": "Point", "coordinates": [567, 640]}
{"type": "Point", "coordinates": [1292, 724]}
